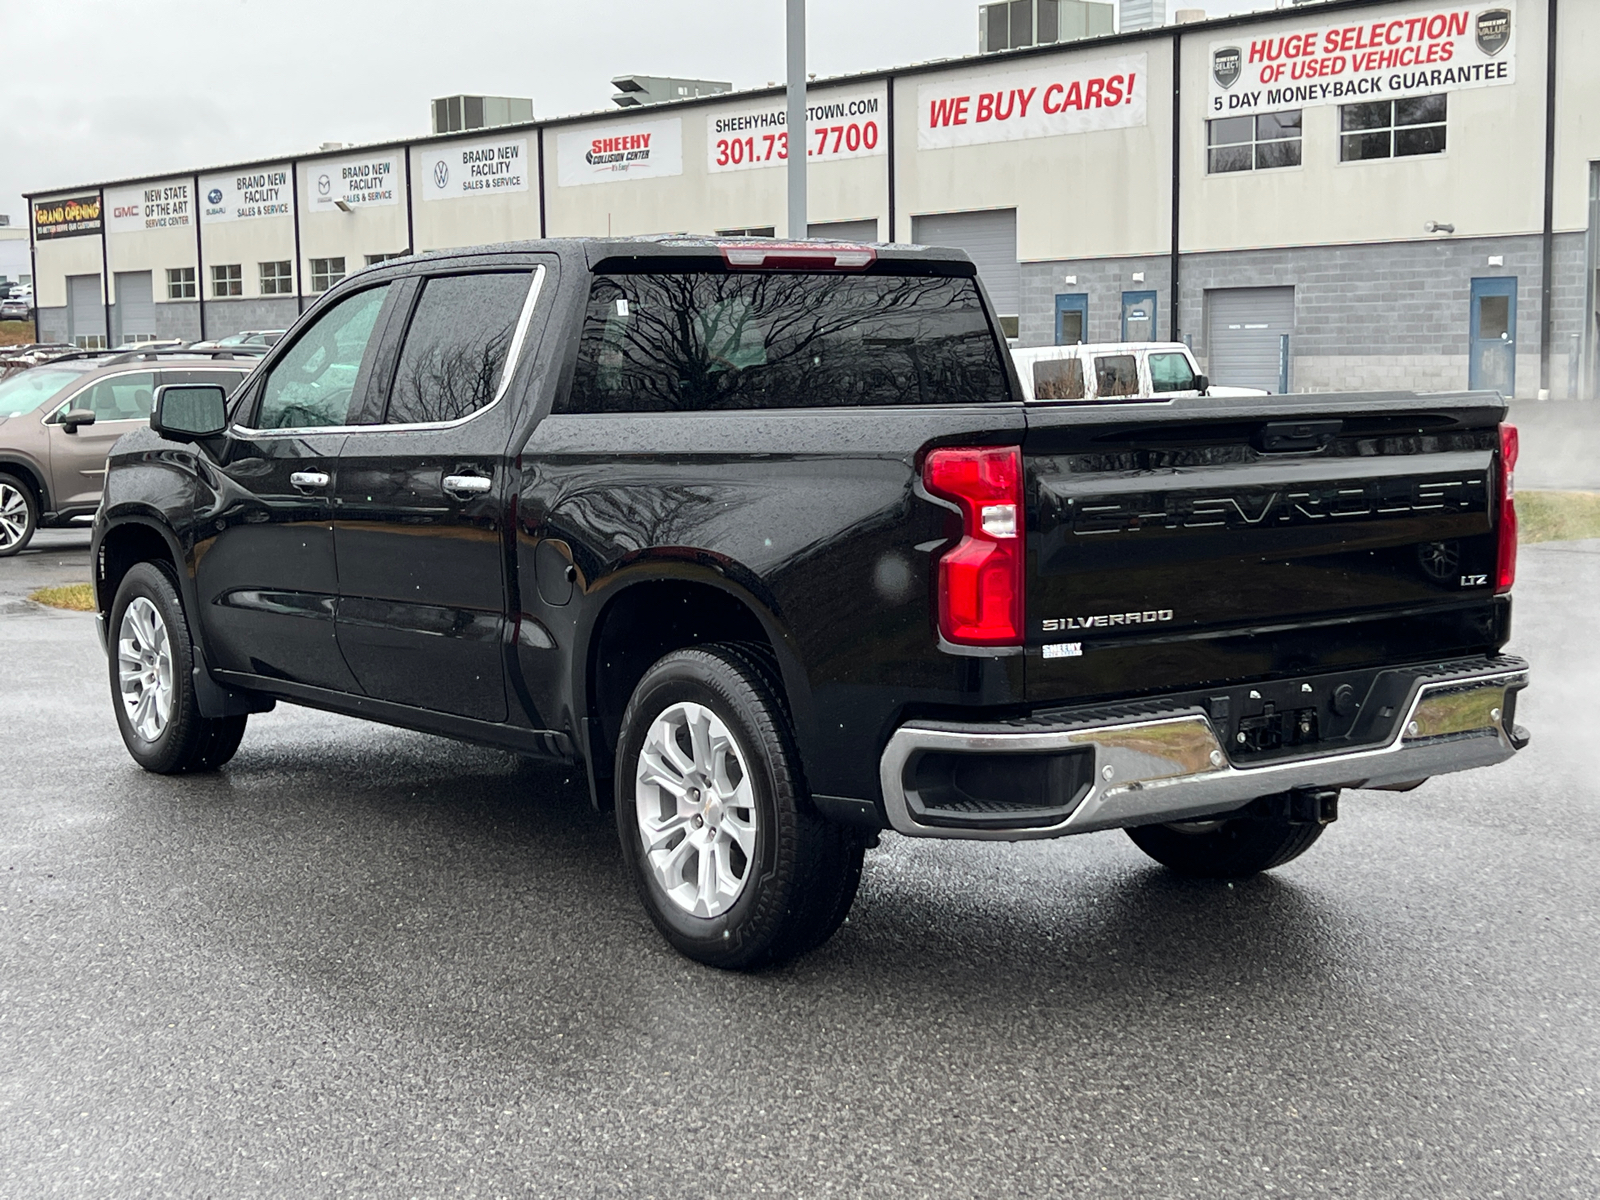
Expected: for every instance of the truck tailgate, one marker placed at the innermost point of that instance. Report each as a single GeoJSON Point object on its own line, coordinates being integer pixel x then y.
{"type": "Point", "coordinates": [1200, 541]}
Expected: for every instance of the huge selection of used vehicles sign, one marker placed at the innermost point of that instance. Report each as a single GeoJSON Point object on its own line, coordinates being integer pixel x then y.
{"type": "Point", "coordinates": [246, 195]}
{"type": "Point", "coordinates": [839, 124]}
{"type": "Point", "coordinates": [167, 205]}
{"type": "Point", "coordinates": [359, 182]}
{"type": "Point", "coordinates": [1074, 96]}
{"type": "Point", "coordinates": [479, 168]}
{"type": "Point", "coordinates": [620, 150]}
{"type": "Point", "coordinates": [1362, 57]}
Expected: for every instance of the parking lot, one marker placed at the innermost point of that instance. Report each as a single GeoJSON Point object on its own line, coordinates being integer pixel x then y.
{"type": "Point", "coordinates": [368, 962]}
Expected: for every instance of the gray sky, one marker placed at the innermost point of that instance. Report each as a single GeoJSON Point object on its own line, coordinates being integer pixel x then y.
{"type": "Point", "coordinates": [99, 90]}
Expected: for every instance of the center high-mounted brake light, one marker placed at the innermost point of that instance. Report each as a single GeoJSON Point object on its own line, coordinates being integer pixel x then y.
{"type": "Point", "coordinates": [981, 577]}
{"type": "Point", "coordinates": [799, 256]}
{"type": "Point", "coordinates": [1506, 511]}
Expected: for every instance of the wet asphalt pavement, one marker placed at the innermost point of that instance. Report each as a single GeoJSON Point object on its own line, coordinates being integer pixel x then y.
{"type": "Point", "coordinates": [361, 961]}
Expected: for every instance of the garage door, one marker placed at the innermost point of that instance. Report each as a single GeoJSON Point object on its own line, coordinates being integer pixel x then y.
{"type": "Point", "coordinates": [86, 316]}
{"type": "Point", "coordinates": [844, 231]}
{"type": "Point", "coordinates": [990, 239]}
{"type": "Point", "coordinates": [1245, 328]}
{"type": "Point", "coordinates": [136, 307]}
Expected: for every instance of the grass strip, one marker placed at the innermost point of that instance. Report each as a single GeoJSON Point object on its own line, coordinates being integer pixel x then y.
{"type": "Point", "coordinates": [1557, 516]}
{"type": "Point", "coordinates": [79, 597]}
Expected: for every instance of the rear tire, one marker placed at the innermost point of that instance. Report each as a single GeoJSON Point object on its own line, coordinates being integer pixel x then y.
{"type": "Point", "coordinates": [19, 515]}
{"type": "Point", "coordinates": [733, 866]}
{"type": "Point", "coordinates": [1227, 847]}
{"type": "Point", "coordinates": [152, 681]}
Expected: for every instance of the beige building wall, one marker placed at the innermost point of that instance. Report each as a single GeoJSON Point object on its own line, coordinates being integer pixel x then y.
{"type": "Point", "coordinates": [248, 243]}
{"type": "Point", "coordinates": [1577, 110]}
{"type": "Point", "coordinates": [59, 257]}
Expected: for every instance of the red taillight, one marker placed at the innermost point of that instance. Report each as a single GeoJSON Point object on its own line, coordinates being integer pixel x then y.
{"type": "Point", "coordinates": [799, 256]}
{"type": "Point", "coordinates": [980, 579]}
{"type": "Point", "coordinates": [1506, 514]}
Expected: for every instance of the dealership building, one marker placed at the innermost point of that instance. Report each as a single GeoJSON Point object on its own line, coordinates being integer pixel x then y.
{"type": "Point", "coordinates": [1345, 195]}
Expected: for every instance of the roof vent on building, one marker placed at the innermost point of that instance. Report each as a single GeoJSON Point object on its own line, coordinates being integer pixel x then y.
{"type": "Point", "coordinates": [4, 219]}
{"type": "Point", "coordinates": [1018, 23]}
{"type": "Point", "coordinates": [453, 114]}
{"type": "Point", "coordinates": [321, 146]}
{"type": "Point", "coordinates": [1188, 16]}
{"type": "Point", "coordinates": [634, 90]}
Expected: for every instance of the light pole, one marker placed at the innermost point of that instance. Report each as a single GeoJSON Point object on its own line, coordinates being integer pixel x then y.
{"type": "Point", "coordinates": [798, 142]}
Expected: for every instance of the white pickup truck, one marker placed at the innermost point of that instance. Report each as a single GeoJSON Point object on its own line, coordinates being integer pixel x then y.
{"type": "Point", "coordinates": [1114, 371]}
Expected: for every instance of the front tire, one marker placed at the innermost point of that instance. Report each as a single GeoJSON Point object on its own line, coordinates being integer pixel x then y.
{"type": "Point", "coordinates": [1227, 847]}
{"type": "Point", "coordinates": [152, 680]}
{"type": "Point", "coordinates": [733, 866]}
{"type": "Point", "coordinates": [19, 515]}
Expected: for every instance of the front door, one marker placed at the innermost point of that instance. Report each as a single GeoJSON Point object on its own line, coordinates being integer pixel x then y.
{"type": "Point", "coordinates": [1138, 316]}
{"type": "Point", "coordinates": [120, 404]}
{"type": "Point", "coordinates": [267, 579]}
{"type": "Point", "coordinates": [1493, 362]}
{"type": "Point", "coordinates": [1072, 319]}
{"type": "Point", "coordinates": [419, 508]}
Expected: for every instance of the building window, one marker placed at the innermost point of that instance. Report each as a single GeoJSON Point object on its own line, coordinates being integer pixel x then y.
{"type": "Point", "coordinates": [374, 259]}
{"type": "Point", "coordinates": [1253, 143]}
{"type": "Point", "coordinates": [277, 279]}
{"type": "Point", "coordinates": [325, 272]}
{"type": "Point", "coordinates": [1392, 128]}
{"type": "Point", "coordinates": [180, 283]}
{"type": "Point", "coordinates": [227, 280]}
{"type": "Point", "coordinates": [752, 231]}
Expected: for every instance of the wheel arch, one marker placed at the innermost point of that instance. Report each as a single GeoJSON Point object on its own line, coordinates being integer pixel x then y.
{"type": "Point", "coordinates": [127, 541]}
{"type": "Point", "coordinates": [30, 474]}
{"type": "Point", "coordinates": [650, 610]}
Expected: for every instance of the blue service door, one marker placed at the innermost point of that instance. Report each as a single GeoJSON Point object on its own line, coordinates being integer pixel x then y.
{"type": "Point", "coordinates": [1138, 316]}
{"type": "Point", "coordinates": [1072, 319]}
{"type": "Point", "coordinates": [1492, 363]}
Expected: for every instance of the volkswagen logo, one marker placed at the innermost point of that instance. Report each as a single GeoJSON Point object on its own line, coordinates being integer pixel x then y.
{"type": "Point", "coordinates": [441, 174]}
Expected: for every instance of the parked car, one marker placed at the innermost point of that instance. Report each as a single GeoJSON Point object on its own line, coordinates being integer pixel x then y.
{"type": "Point", "coordinates": [1116, 371]}
{"type": "Point", "coordinates": [766, 537]}
{"type": "Point", "coordinates": [58, 421]}
{"type": "Point", "coordinates": [16, 308]}
{"type": "Point", "coordinates": [256, 340]}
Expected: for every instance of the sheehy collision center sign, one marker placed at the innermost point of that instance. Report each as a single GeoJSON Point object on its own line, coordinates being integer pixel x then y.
{"type": "Point", "coordinates": [620, 150]}
{"type": "Point", "coordinates": [1072, 96]}
{"type": "Point", "coordinates": [459, 169]}
{"type": "Point", "coordinates": [839, 124]}
{"type": "Point", "coordinates": [1414, 52]}
{"type": "Point", "coordinates": [359, 182]}
{"type": "Point", "coordinates": [245, 195]}
{"type": "Point", "coordinates": [151, 206]}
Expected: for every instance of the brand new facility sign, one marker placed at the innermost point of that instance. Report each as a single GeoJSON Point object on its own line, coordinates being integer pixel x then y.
{"type": "Point", "coordinates": [247, 194]}
{"type": "Point", "coordinates": [358, 182]}
{"type": "Point", "coordinates": [1416, 51]}
{"type": "Point", "coordinates": [620, 150]}
{"type": "Point", "coordinates": [482, 168]}
{"type": "Point", "coordinates": [1071, 96]}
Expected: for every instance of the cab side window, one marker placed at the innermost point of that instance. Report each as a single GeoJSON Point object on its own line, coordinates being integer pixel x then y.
{"type": "Point", "coordinates": [1171, 373]}
{"type": "Point", "coordinates": [120, 398]}
{"type": "Point", "coordinates": [313, 385]}
{"type": "Point", "coordinates": [1058, 379]}
{"type": "Point", "coordinates": [456, 346]}
{"type": "Point", "coordinates": [1116, 375]}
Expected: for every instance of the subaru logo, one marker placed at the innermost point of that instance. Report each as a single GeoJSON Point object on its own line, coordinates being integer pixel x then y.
{"type": "Point", "coordinates": [441, 174]}
{"type": "Point", "coordinates": [214, 196]}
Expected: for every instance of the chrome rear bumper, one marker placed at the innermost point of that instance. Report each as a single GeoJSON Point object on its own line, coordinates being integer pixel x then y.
{"type": "Point", "coordinates": [1171, 766]}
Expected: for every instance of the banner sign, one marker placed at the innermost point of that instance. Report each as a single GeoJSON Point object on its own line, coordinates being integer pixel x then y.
{"type": "Point", "coordinates": [473, 168]}
{"type": "Point", "coordinates": [620, 150]}
{"type": "Point", "coordinates": [71, 217]}
{"type": "Point", "coordinates": [1414, 52]}
{"type": "Point", "coordinates": [246, 195]}
{"type": "Point", "coordinates": [839, 124]}
{"type": "Point", "coordinates": [1076, 95]}
{"type": "Point", "coordinates": [359, 182]}
{"type": "Point", "coordinates": [151, 206]}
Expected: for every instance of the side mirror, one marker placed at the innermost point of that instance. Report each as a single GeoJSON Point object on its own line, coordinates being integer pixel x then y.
{"type": "Point", "coordinates": [186, 412]}
{"type": "Point", "coordinates": [74, 417]}
{"type": "Point", "coordinates": [1202, 384]}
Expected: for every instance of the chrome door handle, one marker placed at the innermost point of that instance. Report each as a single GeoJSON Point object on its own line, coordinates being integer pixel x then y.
{"type": "Point", "coordinates": [466, 485]}
{"type": "Point", "coordinates": [309, 479]}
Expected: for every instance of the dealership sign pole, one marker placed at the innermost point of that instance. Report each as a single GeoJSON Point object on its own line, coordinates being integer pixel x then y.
{"type": "Point", "coordinates": [797, 117]}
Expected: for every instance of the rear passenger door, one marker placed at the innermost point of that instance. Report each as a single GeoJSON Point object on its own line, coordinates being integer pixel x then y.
{"type": "Point", "coordinates": [120, 404]}
{"type": "Point", "coordinates": [421, 497]}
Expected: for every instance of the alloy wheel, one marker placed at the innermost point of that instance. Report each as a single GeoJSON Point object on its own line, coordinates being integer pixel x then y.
{"type": "Point", "coordinates": [144, 667]}
{"type": "Point", "coordinates": [13, 515]}
{"type": "Point", "coordinates": [696, 809]}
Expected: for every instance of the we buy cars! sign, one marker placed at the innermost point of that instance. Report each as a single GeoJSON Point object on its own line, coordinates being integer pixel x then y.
{"type": "Point", "coordinates": [1410, 52]}
{"type": "Point", "coordinates": [1077, 96]}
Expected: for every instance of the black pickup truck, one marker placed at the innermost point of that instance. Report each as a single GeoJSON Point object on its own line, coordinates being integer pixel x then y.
{"type": "Point", "coordinates": [764, 536]}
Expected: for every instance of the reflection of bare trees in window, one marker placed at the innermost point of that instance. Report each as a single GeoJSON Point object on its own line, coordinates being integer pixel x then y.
{"type": "Point", "coordinates": [456, 347]}
{"type": "Point", "coordinates": [707, 341]}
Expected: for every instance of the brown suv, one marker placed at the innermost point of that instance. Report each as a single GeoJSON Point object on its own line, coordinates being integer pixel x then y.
{"type": "Point", "coordinates": [59, 420]}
